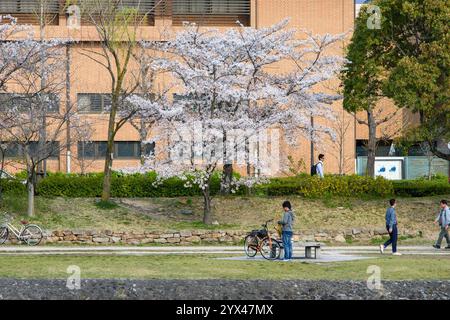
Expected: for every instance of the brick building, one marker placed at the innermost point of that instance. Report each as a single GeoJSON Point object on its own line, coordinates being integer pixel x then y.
{"type": "Point", "coordinates": [90, 83]}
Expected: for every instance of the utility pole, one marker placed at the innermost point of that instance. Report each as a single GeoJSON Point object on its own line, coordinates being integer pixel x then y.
{"type": "Point", "coordinates": [43, 134]}
{"type": "Point", "coordinates": [68, 106]}
{"type": "Point", "coordinates": [312, 141]}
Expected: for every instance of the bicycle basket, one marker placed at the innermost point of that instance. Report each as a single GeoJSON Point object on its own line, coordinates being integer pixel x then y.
{"type": "Point", "coordinates": [262, 233]}
{"type": "Point", "coordinates": [254, 233]}
{"type": "Point", "coordinates": [259, 233]}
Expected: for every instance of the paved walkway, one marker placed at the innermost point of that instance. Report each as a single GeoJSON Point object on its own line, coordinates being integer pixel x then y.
{"type": "Point", "coordinates": [165, 250]}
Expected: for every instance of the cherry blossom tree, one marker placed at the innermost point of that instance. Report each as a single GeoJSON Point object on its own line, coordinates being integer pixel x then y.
{"type": "Point", "coordinates": [228, 95]}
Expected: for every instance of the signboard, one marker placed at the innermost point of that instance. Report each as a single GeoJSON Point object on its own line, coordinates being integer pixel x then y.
{"type": "Point", "coordinates": [391, 169]}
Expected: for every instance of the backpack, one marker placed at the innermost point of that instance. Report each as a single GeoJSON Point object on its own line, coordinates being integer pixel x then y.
{"type": "Point", "coordinates": [314, 169]}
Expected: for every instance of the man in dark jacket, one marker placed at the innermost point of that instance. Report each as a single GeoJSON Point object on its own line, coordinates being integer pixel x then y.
{"type": "Point", "coordinates": [286, 234]}
{"type": "Point", "coordinates": [443, 219]}
{"type": "Point", "coordinates": [391, 226]}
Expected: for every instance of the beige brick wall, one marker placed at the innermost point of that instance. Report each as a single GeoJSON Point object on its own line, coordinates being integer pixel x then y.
{"type": "Point", "coordinates": [319, 16]}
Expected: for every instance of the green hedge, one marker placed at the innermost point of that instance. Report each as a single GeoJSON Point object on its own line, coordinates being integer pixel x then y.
{"type": "Point", "coordinates": [122, 186]}
{"type": "Point", "coordinates": [312, 187]}
{"type": "Point", "coordinates": [139, 185]}
{"type": "Point", "coordinates": [12, 186]}
{"type": "Point", "coordinates": [421, 188]}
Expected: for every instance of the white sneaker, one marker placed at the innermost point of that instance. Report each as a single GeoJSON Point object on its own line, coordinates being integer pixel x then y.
{"type": "Point", "coordinates": [381, 248]}
{"type": "Point", "coordinates": [396, 254]}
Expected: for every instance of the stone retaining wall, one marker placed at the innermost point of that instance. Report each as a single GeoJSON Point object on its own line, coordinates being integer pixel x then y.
{"type": "Point", "coordinates": [193, 237]}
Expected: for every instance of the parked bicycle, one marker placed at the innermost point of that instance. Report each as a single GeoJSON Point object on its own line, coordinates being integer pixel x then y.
{"type": "Point", "coordinates": [262, 241]}
{"type": "Point", "coordinates": [31, 234]}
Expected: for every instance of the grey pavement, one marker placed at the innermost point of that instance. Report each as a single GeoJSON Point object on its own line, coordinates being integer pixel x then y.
{"type": "Point", "coordinates": [165, 250]}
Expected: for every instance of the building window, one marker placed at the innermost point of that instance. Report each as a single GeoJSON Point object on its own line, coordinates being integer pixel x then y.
{"type": "Point", "coordinates": [384, 149]}
{"type": "Point", "coordinates": [93, 102]}
{"type": "Point", "coordinates": [25, 102]}
{"type": "Point", "coordinates": [211, 12]}
{"type": "Point", "coordinates": [95, 149]}
{"type": "Point", "coordinates": [126, 149]}
{"type": "Point", "coordinates": [15, 150]}
{"type": "Point", "coordinates": [122, 149]}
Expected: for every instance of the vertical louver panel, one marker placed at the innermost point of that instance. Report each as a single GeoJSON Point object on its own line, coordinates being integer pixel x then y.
{"type": "Point", "coordinates": [210, 12]}
{"type": "Point", "coordinates": [96, 103]}
{"type": "Point", "coordinates": [143, 6]}
{"type": "Point", "coordinates": [211, 7]}
{"type": "Point", "coordinates": [145, 9]}
{"type": "Point", "coordinates": [29, 11]}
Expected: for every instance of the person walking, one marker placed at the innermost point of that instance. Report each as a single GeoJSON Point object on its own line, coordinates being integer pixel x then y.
{"type": "Point", "coordinates": [286, 233]}
{"type": "Point", "coordinates": [443, 219]}
{"type": "Point", "coordinates": [319, 166]}
{"type": "Point", "coordinates": [391, 226]}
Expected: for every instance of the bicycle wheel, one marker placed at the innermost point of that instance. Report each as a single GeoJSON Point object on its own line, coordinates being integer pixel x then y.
{"type": "Point", "coordinates": [251, 246]}
{"type": "Point", "coordinates": [4, 232]}
{"type": "Point", "coordinates": [32, 235]}
{"type": "Point", "coordinates": [270, 250]}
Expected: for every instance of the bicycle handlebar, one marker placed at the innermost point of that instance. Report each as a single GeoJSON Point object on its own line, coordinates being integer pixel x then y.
{"type": "Point", "coordinates": [7, 217]}
{"type": "Point", "coordinates": [265, 224]}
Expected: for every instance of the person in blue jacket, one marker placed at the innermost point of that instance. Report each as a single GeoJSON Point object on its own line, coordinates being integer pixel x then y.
{"type": "Point", "coordinates": [391, 226]}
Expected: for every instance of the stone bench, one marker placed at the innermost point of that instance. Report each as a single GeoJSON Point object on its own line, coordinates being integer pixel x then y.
{"type": "Point", "coordinates": [312, 250]}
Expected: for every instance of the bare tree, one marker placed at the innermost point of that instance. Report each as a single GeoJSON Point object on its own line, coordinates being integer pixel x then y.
{"type": "Point", "coordinates": [22, 112]}
{"type": "Point", "coordinates": [116, 23]}
{"type": "Point", "coordinates": [341, 127]}
{"type": "Point", "coordinates": [376, 119]}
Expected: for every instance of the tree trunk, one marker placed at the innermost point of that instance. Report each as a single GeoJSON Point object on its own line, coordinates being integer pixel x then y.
{"type": "Point", "coordinates": [142, 146]}
{"type": "Point", "coordinates": [312, 160]}
{"type": "Point", "coordinates": [227, 176]}
{"type": "Point", "coordinates": [30, 190]}
{"type": "Point", "coordinates": [341, 156]}
{"type": "Point", "coordinates": [438, 153]}
{"type": "Point", "coordinates": [207, 214]}
{"type": "Point", "coordinates": [143, 136]}
{"type": "Point", "coordinates": [106, 192]}
{"type": "Point", "coordinates": [1, 176]}
{"type": "Point", "coordinates": [430, 161]}
{"type": "Point", "coordinates": [372, 144]}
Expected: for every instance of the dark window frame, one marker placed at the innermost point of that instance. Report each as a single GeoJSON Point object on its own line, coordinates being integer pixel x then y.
{"type": "Point", "coordinates": [102, 97]}
{"type": "Point", "coordinates": [19, 154]}
{"type": "Point", "coordinates": [98, 154]}
{"type": "Point", "coordinates": [27, 98]}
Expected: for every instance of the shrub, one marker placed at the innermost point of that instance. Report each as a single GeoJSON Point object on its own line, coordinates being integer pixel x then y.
{"type": "Point", "coordinates": [70, 186]}
{"type": "Point", "coordinates": [312, 187]}
{"type": "Point", "coordinates": [12, 186]}
{"type": "Point", "coordinates": [122, 186]}
{"type": "Point", "coordinates": [421, 188]}
{"type": "Point", "coordinates": [142, 185]}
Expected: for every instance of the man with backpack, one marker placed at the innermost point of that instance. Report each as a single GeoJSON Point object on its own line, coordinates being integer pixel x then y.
{"type": "Point", "coordinates": [317, 169]}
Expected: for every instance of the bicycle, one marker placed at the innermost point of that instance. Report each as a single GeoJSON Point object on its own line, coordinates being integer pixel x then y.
{"type": "Point", "coordinates": [261, 241]}
{"type": "Point", "coordinates": [31, 234]}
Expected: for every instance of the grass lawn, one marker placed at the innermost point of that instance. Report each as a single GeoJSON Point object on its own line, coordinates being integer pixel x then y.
{"type": "Point", "coordinates": [233, 213]}
{"type": "Point", "coordinates": [207, 267]}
